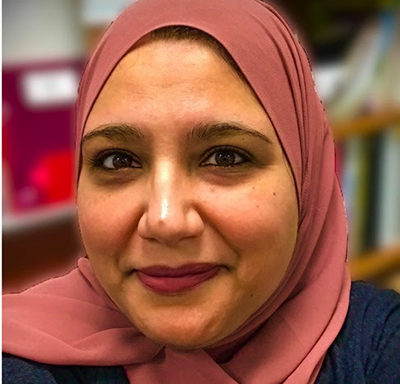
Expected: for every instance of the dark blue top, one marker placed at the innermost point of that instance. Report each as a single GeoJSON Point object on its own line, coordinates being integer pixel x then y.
{"type": "Point", "coordinates": [367, 349]}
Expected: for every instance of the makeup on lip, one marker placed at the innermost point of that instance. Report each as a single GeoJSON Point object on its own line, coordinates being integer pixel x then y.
{"type": "Point", "coordinates": [166, 280]}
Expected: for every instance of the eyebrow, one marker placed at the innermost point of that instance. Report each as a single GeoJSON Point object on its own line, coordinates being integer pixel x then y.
{"type": "Point", "coordinates": [226, 129]}
{"type": "Point", "coordinates": [115, 132]}
{"type": "Point", "coordinates": [201, 132]}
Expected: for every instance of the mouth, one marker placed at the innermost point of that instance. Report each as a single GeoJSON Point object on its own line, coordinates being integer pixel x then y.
{"type": "Point", "coordinates": [167, 280]}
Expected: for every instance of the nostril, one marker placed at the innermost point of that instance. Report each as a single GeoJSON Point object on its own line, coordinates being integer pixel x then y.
{"type": "Point", "coordinates": [170, 226]}
{"type": "Point", "coordinates": [170, 208]}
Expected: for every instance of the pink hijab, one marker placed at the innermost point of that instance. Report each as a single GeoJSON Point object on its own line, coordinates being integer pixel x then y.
{"type": "Point", "coordinates": [70, 320]}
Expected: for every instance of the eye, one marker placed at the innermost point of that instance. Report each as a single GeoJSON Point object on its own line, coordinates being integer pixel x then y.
{"type": "Point", "coordinates": [225, 157]}
{"type": "Point", "coordinates": [116, 160]}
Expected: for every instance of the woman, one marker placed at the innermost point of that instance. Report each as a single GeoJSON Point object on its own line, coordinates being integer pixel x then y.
{"type": "Point", "coordinates": [211, 217]}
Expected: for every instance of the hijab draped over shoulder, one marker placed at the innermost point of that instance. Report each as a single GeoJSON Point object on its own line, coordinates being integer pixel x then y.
{"type": "Point", "coordinates": [71, 321]}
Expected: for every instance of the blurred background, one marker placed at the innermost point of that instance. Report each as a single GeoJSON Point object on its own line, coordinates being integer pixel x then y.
{"type": "Point", "coordinates": [354, 48]}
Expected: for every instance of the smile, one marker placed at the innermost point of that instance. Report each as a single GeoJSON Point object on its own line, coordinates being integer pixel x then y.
{"type": "Point", "coordinates": [166, 280]}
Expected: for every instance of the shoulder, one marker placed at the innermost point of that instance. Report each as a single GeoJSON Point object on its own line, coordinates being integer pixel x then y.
{"type": "Point", "coordinates": [16, 370]}
{"type": "Point", "coordinates": [367, 349]}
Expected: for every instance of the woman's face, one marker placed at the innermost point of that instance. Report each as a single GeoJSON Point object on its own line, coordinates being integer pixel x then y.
{"type": "Point", "coordinates": [186, 204]}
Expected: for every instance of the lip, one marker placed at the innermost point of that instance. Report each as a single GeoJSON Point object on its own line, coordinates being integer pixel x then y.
{"type": "Point", "coordinates": [167, 280]}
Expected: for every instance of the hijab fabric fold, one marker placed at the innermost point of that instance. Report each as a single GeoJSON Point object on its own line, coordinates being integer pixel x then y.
{"type": "Point", "coordinates": [71, 320]}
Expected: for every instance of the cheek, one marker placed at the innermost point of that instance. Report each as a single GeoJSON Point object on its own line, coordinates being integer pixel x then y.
{"type": "Point", "coordinates": [260, 224]}
{"type": "Point", "coordinates": [105, 221]}
{"type": "Point", "coordinates": [256, 218]}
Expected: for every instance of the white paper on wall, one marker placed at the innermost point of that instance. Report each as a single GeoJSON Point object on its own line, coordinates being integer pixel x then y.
{"type": "Point", "coordinates": [50, 88]}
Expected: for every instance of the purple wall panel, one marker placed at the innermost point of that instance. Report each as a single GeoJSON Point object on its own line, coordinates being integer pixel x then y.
{"type": "Point", "coordinates": [31, 133]}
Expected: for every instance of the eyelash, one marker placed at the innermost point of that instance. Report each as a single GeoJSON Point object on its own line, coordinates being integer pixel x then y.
{"type": "Point", "coordinates": [244, 156]}
{"type": "Point", "coordinates": [99, 159]}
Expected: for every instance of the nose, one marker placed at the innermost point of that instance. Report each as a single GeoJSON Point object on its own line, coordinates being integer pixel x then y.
{"type": "Point", "coordinates": [171, 214]}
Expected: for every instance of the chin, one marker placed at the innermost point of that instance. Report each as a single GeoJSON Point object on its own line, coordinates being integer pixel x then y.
{"type": "Point", "coordinates": [184, 342]}
{"type": "Point", "coordinates": [185, 337]}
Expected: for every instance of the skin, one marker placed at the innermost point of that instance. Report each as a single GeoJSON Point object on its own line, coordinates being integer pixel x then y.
{"type": "Point", "coordinates": [172, 202]}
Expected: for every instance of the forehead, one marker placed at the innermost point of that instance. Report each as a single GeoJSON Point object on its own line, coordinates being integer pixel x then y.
{"type": "Point", "coordinates": [184, 77]}
{"type": "Point", "coordinates": [171, 62]}
{"type": "Point", "coordinates": [167, 63]}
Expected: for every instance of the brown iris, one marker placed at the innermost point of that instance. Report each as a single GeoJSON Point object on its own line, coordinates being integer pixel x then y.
{"type": "Point", "coordinates": [225, 158]}
{"type": "Point", "coordinates": [121, 161]}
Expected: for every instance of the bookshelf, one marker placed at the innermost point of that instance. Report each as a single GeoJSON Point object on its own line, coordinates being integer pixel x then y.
{"type": "Point", "coordinates": [375, 264]}
{"type": "Point", "coordinates": [14, 223]}
{"type": "Point", "coordinates": [379, 262]}
{"type": "Point", "coordinates": [367, 124]}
